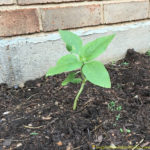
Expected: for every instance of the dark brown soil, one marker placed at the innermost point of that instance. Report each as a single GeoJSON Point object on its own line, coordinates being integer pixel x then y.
{"type": "Point", "coordinates": [40, 116]}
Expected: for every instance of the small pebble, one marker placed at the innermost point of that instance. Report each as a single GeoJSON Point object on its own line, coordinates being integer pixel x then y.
{"type": "Point", "coordinates": [3, 119]}
{"type": "Point", "coordinates": [61, 107]}
{"type": "Point", "coordinates": [6, 113]}
{"type": "Point", "coordinates": [38, 84]}
{"type": "Point", "coordinates": [21, 85]}
{"type": "Point", "coordinates": [56, 103]}
{"type": "Point", "coordinates": [19, 145]}
{"type": "Point", "coordinates": [136, 96]}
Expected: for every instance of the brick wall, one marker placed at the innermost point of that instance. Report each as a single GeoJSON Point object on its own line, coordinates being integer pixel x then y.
{"type": "Point", "coordinates": [21, 17]}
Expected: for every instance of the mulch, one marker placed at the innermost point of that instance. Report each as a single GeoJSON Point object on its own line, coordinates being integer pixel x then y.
{"type": "Point", "coordinates": [39, 116]}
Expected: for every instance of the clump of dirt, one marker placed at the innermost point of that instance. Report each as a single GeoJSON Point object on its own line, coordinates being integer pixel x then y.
{"type": "Point", "coordinates": [40, 116]}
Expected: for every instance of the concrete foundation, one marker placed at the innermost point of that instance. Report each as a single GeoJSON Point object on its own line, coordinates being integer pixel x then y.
{"type": "Point", "coordinates": [26, 58]}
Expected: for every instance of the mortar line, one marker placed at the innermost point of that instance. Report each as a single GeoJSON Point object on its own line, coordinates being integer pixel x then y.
{"type": "Point", "coordinates": [78, 28]}
{"type": "Point", "coordinates": [40, 19]}
{"type": "Point", "coordinates": [72, 4]}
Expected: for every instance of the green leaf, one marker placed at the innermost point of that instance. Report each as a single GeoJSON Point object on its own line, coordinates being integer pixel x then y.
{"type": "Point", "coordinates": [128, 130]}
{"type": "Point", "coordinates": [65, 64]}
{"type": "Point", "coordinates": [121, 130]}
{"type": "Point", "coordinates": [73, 42]}
{"type": "Point", "coordinates": [95, 48]}
{"type": "Point", "coordinates": [33, 133]}
{"type": "Point", "coordinates": [71, 79]}
{"type": "Point", "coordinates": [97, 74]}
{"type": "Point", "coordinates": [76, 80]}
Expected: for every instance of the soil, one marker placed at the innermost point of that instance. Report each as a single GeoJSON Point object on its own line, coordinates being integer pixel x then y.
{"type": "Point", "coordinates": [39, 116]}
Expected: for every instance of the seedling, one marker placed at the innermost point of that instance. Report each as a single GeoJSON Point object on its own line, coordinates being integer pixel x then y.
{"type": "Point", "coordinates": [117, 117]}
{"type": "Point", "coordinates": [112, 106]}
{"type": "Point", "coordinates": [126, 130]}
{"type": "Point", "coordinates": [119, 86]}
{"type": "Point", "coordinates": [148, 53]}
{"type": "Point", "coordinates": [125, 63]}
{"type": "Point", "coordinates": [33, 133]}
{"type": "Point", "coordinates": [81, 58]}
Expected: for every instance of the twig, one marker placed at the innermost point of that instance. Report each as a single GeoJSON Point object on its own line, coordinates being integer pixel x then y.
{"type": "Point", "coordinates": [77, 147]}
{"type": "Point", "coordinates": [96, 128]}
{"type": "Point", "coordinates": [29, 127]}
{"type": "Point", "coordinates": [137, 144]}
{"type": "Point", "coordinates": [31, 96]}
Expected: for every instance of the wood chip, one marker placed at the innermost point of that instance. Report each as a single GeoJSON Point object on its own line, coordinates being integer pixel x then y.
{"type": "Point", "coordinates": [59, 143]}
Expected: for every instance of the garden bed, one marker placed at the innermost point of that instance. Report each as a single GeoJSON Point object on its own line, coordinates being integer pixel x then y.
{"type": "Point", "coordinates": [40, 116]}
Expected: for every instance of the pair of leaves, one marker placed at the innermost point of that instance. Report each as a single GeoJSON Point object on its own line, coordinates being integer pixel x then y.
{"type": "Point", "coordinates": [94, 71]}
{"type": "Point", "coordinates": [93, 49]}
{"type": "Point", "coordinates": [88, 52]}
{"type": "Point", "coordinates": [71, 79]}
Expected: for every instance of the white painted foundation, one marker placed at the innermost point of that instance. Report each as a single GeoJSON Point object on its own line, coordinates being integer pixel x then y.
{"type": "Point", "coordinates": [26, 58]}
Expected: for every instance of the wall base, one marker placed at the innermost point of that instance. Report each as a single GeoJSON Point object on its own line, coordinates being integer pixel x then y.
{"type": "Point", "coordinates": [26, 58]}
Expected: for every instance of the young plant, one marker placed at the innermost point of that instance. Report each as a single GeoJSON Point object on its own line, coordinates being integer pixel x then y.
{"type": "Point", "coordinates": [148, 53]}
{"type": "Point", "coordinates": [125, 130]}
{"type": "Point", "coordinates": [112, 106]}
{"type": "Point", "coordinates": [125, 63]}
{"type": "Point", "coordinates": [81, 58]}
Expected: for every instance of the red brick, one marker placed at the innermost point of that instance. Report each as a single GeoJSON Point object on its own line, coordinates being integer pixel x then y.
{"type": "Point", "coordinates": [128, 10]}
{"type": "Point", "coordinates": [16, 22]}
{"type": "Point", "coordinates": [70, 17]}
{"type": "Point", "coordinates": [24, 2]}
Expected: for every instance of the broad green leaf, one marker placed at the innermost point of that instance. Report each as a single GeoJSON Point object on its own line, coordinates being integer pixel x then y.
{"type": "Point", "coordinates": [95, 48]}
{"type": "Point", "coordinates": [65, 64]}
{"type": "Point", "coordinates": [71, 79]}
{"type": "Point", "coordinates": [73, 42]}
{"type": "Point", "coordinates": [96, 73]}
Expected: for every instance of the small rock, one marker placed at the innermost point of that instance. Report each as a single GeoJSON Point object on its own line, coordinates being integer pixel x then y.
{"type": "Point", "coordinates": [21, 85]}
{"type": "Point", "coordinates": [99, 139]}
{"type": "Point", "coordinates": [38, 84]}
{"type": "Point", "coordinates": [46, 137]}
{"type": "Point", "coordinates": [69, 147]}
{"type": "Point", "coordinates": [30, 125]}
{"type": "Point", "coordinates": [19, 145]}
{"type": "Point", "coordinates": [136, 96]}
{"type": "Point", "coordinates": [6, 113]}
{"type": "Point", "coordinates": [61, 107]}
{"type": "Point", "coordinates": [3, 119]}
{"type": "Point", "coordinates": [56, 103]}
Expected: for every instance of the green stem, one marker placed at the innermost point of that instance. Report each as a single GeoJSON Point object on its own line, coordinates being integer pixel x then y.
{"type": "Point", "coordinates": [79, 93]}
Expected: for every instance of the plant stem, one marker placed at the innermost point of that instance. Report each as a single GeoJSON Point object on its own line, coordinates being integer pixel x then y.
{"type": "Point", "coordinates": [78, 95]}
